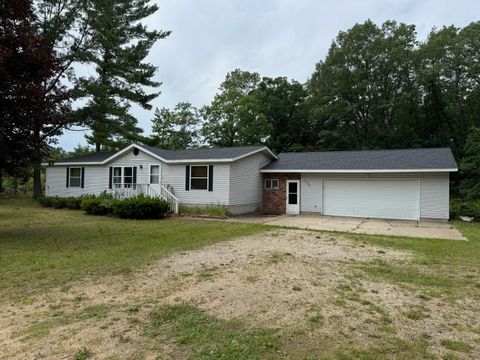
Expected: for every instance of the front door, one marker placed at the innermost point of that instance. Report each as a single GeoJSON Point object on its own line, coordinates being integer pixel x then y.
{"type": "Point", "coordinates": [293, 197]}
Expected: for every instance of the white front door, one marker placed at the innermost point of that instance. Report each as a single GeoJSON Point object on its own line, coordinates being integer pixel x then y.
{"type": "Point", "coordinates": [293, 197]}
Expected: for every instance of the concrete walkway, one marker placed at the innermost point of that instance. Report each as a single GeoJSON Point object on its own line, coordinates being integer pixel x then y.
{"type": "Point", "coordinates": [423, 229]}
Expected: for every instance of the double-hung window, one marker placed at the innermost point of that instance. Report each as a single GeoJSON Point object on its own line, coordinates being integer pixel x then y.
{"type": "Point", "coordinates": [117, 177]}
{"type": "Point", "coordinates": [199, 177]}
{"type": "Point", "coordinates": [271, 184]}
{"type": "Point", "coordinates": [128, 176]}
{"type": "Point", "coordinates": [154, 174]}
{"type": "Point", "coordinates": [75, 177]}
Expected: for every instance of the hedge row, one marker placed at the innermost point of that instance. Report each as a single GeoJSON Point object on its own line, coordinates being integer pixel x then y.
{"type": "Point", "coordinates": [140, 207]}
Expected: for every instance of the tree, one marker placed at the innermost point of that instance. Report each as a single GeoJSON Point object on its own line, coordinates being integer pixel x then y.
{"type": "Point", "coordinates": [449, 75]}
{"type": "Point", "coordinates": [177, 128]}
{"type": "Point", "coordinates": [364, 93]}
{"type": "Point", "coordinates": [232, 117]}
{"type": "Point", "coordinates": [33, 108]}
{"type": "Point", "coordinates": [119, 44]}
{"type": "Point", "coordinates": [470, 166]}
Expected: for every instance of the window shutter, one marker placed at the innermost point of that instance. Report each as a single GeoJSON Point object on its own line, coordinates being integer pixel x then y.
{"type": "Point", "coordinates": [210, 178]}
{"type": "Point", "coordinates": [82, 180]}
{"type": "Point", "coordinates": [134, 174]}
{"type": "Point", "coordinates": [110, 177]}
{"type": "Point", "coordinates": [187, 178]}
{"type": "Point", "coordinates": [68, 175]}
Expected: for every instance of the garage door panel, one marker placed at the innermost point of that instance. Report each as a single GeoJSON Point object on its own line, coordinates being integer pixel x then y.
{"type": "Point", "coordinates": [391, 199]}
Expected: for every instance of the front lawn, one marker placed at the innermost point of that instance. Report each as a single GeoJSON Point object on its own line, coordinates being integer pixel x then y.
{"type": "Point", "coordinates": [44, 247]}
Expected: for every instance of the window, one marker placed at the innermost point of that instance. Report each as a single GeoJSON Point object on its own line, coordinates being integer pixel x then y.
{"type": "Point", "coordinates": [75, 177]}
{"type": "Point", "coordinates": [271, 184]}
{"type": "Point", "coordinates": [199, 177]}
{"type": "Point", "coordinates": [154, 174]}
{"type": "Point", "coordinates": [117, 176]}
{"type": "Point", "coordinates": [128, 176]}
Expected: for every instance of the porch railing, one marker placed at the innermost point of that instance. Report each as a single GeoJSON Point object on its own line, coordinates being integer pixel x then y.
{"type": "Point", "coordinates": [124, 191]}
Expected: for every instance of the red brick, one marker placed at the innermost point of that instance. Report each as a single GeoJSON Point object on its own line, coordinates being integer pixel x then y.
{"type": "Point", "coordinates": [274, 200]}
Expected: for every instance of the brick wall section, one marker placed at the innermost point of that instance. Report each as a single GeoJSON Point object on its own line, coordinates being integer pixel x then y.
{"type": "Point", "coordinates": [274, 200]}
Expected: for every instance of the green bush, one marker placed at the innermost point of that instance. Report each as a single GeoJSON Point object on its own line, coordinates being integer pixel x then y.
{"type": "Point", "coordinates": [203, 210]}
{"type": "Point", "coordinates": [97, 205]}
{"type": "Point", "coordinates": [460, 207]}
{"type": "Point", "coordinates": [59, 202]}
{"type": "Point", "coordinates": [73, 202]}
{"type": "Point", "coordinates": [45, 201]}
{"type": "Point", "coordinates": [141, 207]}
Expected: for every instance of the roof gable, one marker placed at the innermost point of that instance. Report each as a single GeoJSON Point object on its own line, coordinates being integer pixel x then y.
{"type": "Point", "coordinates": [171, 156]}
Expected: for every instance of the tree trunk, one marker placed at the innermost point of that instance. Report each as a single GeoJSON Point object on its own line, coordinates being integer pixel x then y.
{"type": "Point", "coordinates": [37, 181]}
{"type": "Point", "coordinates": [97, 147]}
{"type": "Point", "coordinates": [1, 181]}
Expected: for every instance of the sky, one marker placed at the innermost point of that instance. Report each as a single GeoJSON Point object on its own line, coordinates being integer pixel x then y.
{"type": "Point", "coordinates": [272, 37]}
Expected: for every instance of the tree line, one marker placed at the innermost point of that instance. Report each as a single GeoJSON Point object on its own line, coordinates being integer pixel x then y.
{"type": "Point", "coordinates": [379, 87]}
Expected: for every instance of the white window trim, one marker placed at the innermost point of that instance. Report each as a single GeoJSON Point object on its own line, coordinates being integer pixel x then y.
{"type": "Point", "coordinates": [150, 174]}
{"type": "Point", "coordinates": [272, 188]}
{"type": "Point", "coordinates": [122, 176]}
{"type": "Point", "coordinates": [208, 177]}
{"type": "Point", "coordinates": [70, 177]}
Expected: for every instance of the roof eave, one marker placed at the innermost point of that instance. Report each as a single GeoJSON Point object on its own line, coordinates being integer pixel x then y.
{"type": "Point", "coordinates": [341, 171]}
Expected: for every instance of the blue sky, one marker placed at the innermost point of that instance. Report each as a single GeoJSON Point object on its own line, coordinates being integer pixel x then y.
{"type": "Point", "coordinates": [272, 37]}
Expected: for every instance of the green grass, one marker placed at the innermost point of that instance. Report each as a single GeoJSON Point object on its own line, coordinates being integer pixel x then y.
{"type": "Point", "coordinates": [200, 210]}
{"type": "Point", "coordinates": [439, 268]}
{"type": "Point", "coordinates": [44, 247]}
{"type": "Point", "coordinates": [455, 345]}
{"type": "Point", "coordinates": [207, 337]}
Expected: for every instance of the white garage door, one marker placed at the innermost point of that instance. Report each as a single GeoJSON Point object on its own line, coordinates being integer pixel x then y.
{"type": "Point", "coordinates": [388, 199]}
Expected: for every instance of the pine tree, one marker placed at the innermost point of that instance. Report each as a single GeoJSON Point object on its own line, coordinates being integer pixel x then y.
{"type": "Point", "coordinates": [119, 45]}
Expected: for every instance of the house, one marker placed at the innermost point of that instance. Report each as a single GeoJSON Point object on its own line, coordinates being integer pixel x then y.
{"type": "Point", "coordinates": [410, 184]}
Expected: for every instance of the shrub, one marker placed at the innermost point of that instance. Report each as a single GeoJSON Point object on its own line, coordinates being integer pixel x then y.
{"type": "Point", "coordinates": [59, 202]}
{"type": "Point", "coordinates": [203, 210]}
{"type": "Point", "coordinates": [470, 208]}
{"type": "Point", "coordinates": [141, 207]}
{"type": "Point", "coordinates": [73, 203]}
{"type": "Point", "coordinates": [45, 201]}
{"type": "Point", "coordinates": [97, 205]}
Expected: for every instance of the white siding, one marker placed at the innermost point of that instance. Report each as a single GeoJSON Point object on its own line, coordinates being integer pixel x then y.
{"type": "Point", "coordinates": [96, 181]}
{"type": "Point", "coordinates": [246, 181]}
{"type": "Point", "coordinates": [434, 191]}
{"type": "Point", "coordinates": [174, 175]}
{"type": "Point", "coordinates": [434, 197]}
{"type": "Point", "coordinates": [311, 193]}
{"type": "Point", "coordinates": [142, 159]}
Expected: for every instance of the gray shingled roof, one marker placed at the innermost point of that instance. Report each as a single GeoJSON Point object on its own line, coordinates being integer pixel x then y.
{"type": "Point", "coordinates": [412, 159]}
{"type": "Point", "coordinates": [94, 157]}
{"type": "Point", "coordinates": [208, 153]}
{"type": "Point", "coordinates": [188, 154]}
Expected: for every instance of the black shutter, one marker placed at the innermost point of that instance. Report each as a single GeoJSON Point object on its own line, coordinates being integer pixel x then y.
{"type": "Point", "coordinates": [210, 178]}
{"type": "Point", "coordinates": [134, 174]}
{"type": "Point", "coordinates": [110, 177]}
{"type": "Point", "coordinates": [187, 178]}
{"type": "Point", "coordinates": [68, 175]}
{"type": "Point", "coordinates": [82, 180]}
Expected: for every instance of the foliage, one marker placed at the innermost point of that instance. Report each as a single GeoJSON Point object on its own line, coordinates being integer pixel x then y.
{"type": "Point", "coordinates": [461, 207]}
{"type": "Point", "coordinates": [203, 210]}
{"type": "Point", "coordinates": [140, 207]}
{"type": "Point", "coordinates": [101, 205]}
{"type": "Point", "coordinates": [470, 166]}
{"type": "Point", "coordinates": [177, 128]}
{"type": "Point", "coordinates": [119, 43]}
{"type": "Point", "coordinates": [33, 105]}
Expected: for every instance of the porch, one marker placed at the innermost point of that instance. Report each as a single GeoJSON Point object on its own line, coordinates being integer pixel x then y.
{"type": "Point", "coordinates": [131, 190]}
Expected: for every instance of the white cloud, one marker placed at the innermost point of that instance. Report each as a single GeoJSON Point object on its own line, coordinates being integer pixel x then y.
{"type": "Point", "coordinates": [274, 37]}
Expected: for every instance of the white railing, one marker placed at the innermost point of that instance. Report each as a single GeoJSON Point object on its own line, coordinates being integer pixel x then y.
{"type": "Point", "coordinates": [124, 191]}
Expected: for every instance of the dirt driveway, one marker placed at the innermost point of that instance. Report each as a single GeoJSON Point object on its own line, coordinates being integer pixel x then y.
{"type": "Point", "coordinates": [423, 229]}
{"type": "Point", "coordinates": [304, 285]}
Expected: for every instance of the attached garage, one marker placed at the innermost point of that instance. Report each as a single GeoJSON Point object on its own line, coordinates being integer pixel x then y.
{"type": "Point", "coordinates": [385, 184]}
{"type": "Point", "coordinates": [385, 199]}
